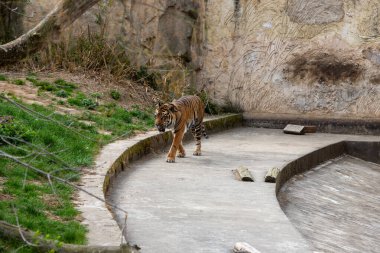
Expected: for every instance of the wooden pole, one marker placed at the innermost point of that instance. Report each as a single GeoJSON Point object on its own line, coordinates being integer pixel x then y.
{"type": "Point", "coordinates": [271, 175]}
{"type": "Point", "coordinates": [243, 174]}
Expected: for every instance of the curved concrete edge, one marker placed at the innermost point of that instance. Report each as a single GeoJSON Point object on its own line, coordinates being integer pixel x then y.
{"type": "Point", "coordinates": [308, 161]}
{"type": "Point", "coordinates": [114, 158]}
{"type": "Point", "coordinates": [366, 150]}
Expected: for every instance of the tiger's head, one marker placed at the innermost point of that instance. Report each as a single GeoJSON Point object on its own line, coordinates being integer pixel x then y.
{"type": "Point", "coordinates": [165, 116]}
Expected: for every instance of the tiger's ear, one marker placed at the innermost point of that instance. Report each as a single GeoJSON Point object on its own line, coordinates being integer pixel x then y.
{"type": "Point", "coordinates": [158, 103]}
{"type": "Point", "coordinates": [173, 108]}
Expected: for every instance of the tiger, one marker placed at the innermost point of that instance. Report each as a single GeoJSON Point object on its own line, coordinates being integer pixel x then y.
{"type": "Point", "coordinates": [180, 115]}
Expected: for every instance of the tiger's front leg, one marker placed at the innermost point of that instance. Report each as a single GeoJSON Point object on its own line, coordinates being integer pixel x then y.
{"type": "Point", "coordinates": [177, 143]}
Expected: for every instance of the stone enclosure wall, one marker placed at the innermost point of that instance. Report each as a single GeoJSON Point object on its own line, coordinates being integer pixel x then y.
{"type": "Point", "coordinates": [310, 57]}
{"type": "Point", "coordinates": [318, 57]}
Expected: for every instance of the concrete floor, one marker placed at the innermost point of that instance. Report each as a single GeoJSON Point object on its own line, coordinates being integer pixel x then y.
{"type": "Point", "coordinates": [336, 205]}
{"type": "Point", "coordinates": [196, 204]}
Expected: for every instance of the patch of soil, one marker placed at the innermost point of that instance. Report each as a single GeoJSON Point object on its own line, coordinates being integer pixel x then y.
{"type": "Point", "coordinates": [29, 94]}
{"type": "Point", "coordinates": [89, 83]}
{"type": "Point", "coordinates": [104, 132]}
{"type": "Point", "coordinates": [35, 182]}
{"type": "Point", "coordinates": [53, 216]}
{"type": "Point", "coordinates": [4, 197]}
{"type": "Point", "coordinates": [2, 181]}
{"type": "Point", "coordinates": [51, 200]}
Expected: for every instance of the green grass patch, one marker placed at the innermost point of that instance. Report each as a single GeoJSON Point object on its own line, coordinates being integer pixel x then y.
{"type": "Point", "coordinates": [7, 245]}
{"type": "Point", "coordinates": [18, 82]}
{"type": "Point", "coordinates": [120, 121]}
{"type": "Point", "coordinates": [27, 195]}
{"type": "Point", "coordinates": [32, 78]}
{"type": "Point", "coordinates": [59, 87]}
{"type": "Point", "coordinates": [17, 129]}
{"type": "Point", "coordinates": [3, 77]}
{"type": "Point", "coordinates": [61, 102]}
{"type": "Point", "coordinates": [96, 95]}
{"type": "Point", "coordinates": [115, 94]}
{"type": "Point", "coordinates": [31, 195]}
{"type": "Point", "coordinates": [62, 94]}
{"type": "Point", "coordinates": [64, 85]}
{"type": "Point", "coordinates": [81, 100]}
{"type": "Point", "coordinates": [44, 85]}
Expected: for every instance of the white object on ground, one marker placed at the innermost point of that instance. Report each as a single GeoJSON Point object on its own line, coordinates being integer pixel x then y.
{"type": "Point", "coordinates": [243, 247]}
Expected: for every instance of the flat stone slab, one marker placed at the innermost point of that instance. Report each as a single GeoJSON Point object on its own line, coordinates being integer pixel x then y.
{"type": "Point", "coordinates": [294, 129]}
{"type": "Point", "coordinates": [196, 205]}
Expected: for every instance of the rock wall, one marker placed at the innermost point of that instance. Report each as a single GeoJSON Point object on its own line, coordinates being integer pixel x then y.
{"type": "Point", "coordinates": [164, 35]}
{"type": "Point", "coordinates": [296, 56]}
{"type": "Point", "coordinates": [151, 30]}
{"type": "Point", "coordinates": [317, 57]}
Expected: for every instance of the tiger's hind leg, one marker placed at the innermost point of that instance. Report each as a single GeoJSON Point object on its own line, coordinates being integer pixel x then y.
{"type": "Point", "coordinates": [181, 151]}
{"type": "Point", "coordinates": [197, 133]}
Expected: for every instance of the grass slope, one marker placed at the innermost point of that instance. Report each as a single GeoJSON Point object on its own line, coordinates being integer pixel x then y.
{"type": "Point", "coordinates": [29, 194]}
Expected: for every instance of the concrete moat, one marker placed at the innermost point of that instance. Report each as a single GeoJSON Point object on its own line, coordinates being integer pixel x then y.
{"type": "Point", "coordinates": [197, 205]}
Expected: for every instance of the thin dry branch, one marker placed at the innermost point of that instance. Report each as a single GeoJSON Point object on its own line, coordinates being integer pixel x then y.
{"type": "Point", "coordinates": [19, 229]}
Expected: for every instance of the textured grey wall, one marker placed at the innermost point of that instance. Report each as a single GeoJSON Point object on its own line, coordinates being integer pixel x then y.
{"type": "Point", "coordinates": [310, 57]}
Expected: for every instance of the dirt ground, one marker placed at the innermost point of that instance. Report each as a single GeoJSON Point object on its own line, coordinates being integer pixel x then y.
{"type": "Point", "coordinates": [89, 83]}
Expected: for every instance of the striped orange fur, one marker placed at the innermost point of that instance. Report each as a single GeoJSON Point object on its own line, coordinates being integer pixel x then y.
{"type": "Point", "coordinates": [179, 116]}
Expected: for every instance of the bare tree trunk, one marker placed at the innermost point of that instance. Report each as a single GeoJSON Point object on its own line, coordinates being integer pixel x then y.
{"type": "Point", "coordinates": [63, 14]}
{"type": "Point", "coordinates": [11, 15]}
